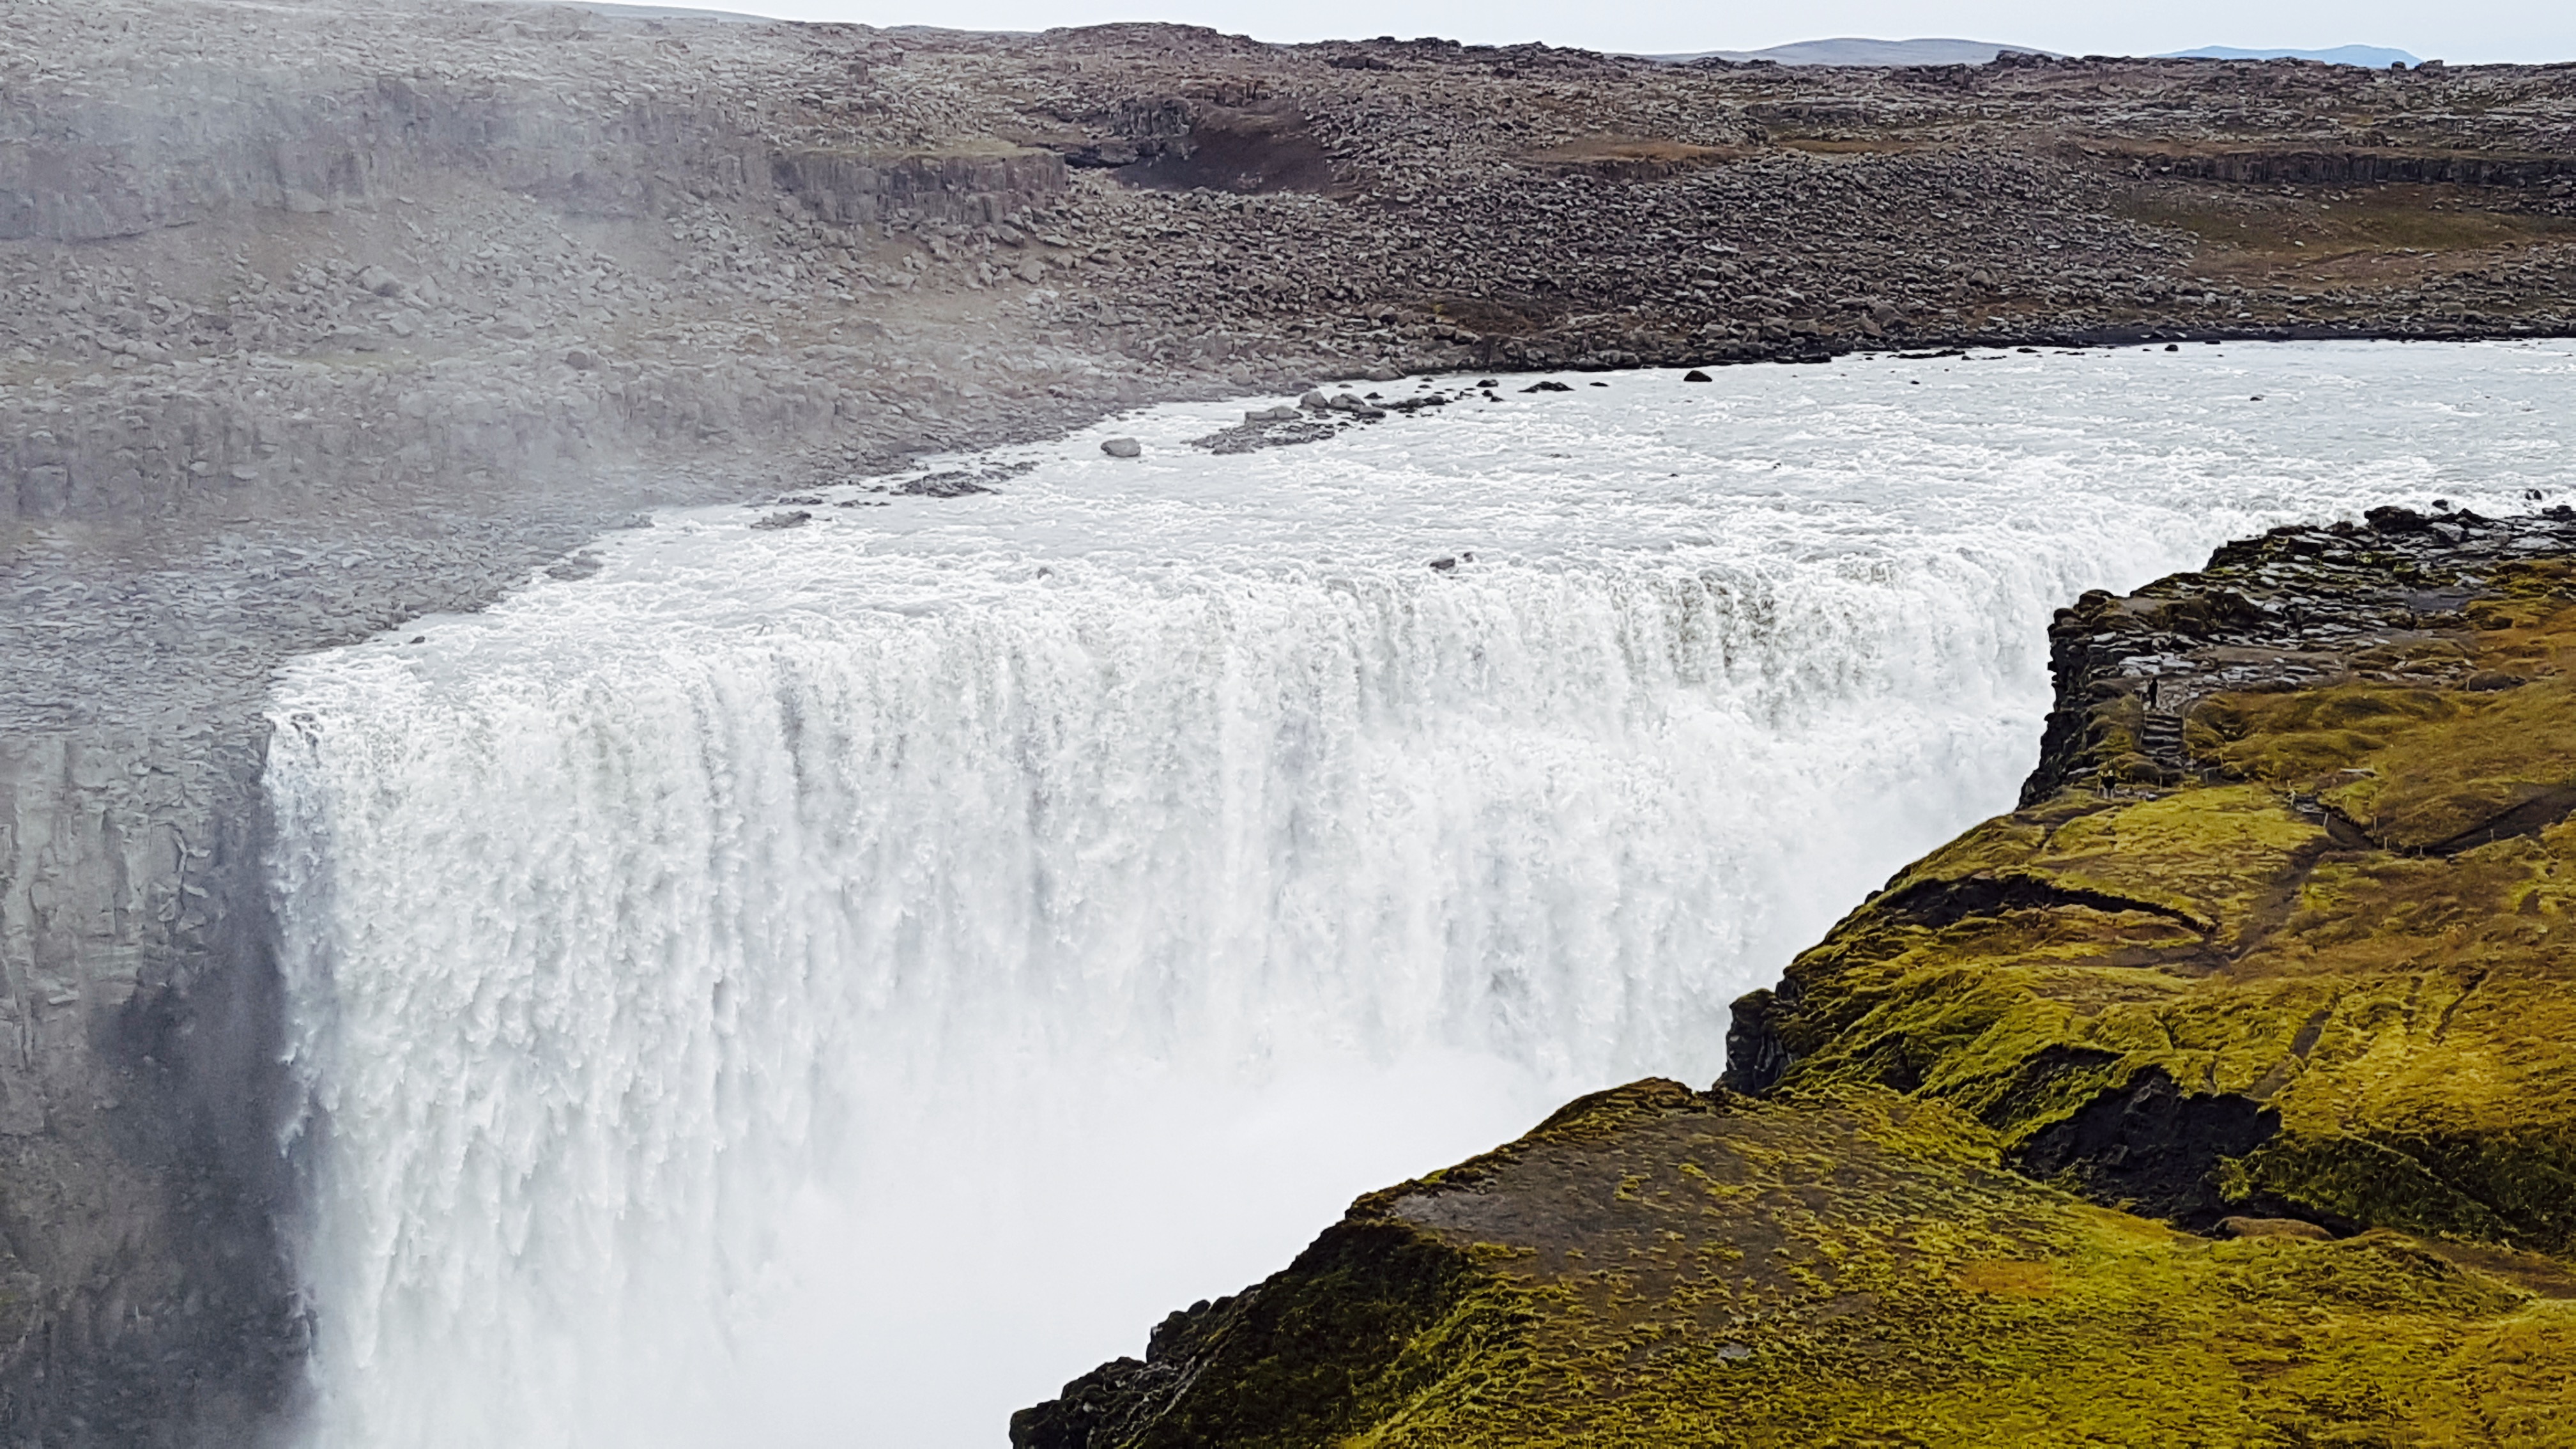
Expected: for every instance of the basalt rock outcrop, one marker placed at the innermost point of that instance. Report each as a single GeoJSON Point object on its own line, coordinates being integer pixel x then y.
{"type": "Point", "coordinates": [2221, 1093]}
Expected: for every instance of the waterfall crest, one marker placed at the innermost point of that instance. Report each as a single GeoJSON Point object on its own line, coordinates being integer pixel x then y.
{"type": "Point", "coordinates": [839, 977]}
{"type": "Point", "coordinates": [612, 961]}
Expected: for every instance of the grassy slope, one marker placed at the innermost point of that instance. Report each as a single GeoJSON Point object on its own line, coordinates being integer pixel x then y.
{"type": "Point", "coordinates": [2320, 929]}
{"type": "Point", "coordinates": [1672, 1268]}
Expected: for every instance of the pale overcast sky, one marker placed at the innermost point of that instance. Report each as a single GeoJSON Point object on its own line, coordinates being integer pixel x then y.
{"type": "Point", "coordinates": [2463, 31]}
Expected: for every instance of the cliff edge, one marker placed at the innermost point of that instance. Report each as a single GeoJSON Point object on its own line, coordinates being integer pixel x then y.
{"type": "Point", "coordinates": [2220, 1093]}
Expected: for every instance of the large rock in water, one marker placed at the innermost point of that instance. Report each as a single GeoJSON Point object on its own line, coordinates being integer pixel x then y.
{"type": "Point", "coordinates": [2224, 1093]}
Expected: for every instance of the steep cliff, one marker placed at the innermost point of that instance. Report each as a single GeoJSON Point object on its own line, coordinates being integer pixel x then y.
{"type": "Point", "coordinates": [2221, 1093]}
{"type": "Point", "coordinates": [315, 318]}
{"type": "Point", "coordinates": [2278, 921]}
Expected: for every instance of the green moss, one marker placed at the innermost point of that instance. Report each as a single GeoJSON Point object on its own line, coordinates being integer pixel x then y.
{"type": "Point", "coordinates": [1856, 1269]}
{"type": "Point", "coordinates": [2400, 994]}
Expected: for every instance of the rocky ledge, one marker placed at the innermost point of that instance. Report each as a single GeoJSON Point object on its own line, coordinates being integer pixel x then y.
{"type": "Point", "coordinates": [2222, 1093]}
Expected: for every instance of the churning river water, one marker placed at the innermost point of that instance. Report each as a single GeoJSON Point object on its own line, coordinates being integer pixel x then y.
{"type": "Point", "coordinates": [829, 985]}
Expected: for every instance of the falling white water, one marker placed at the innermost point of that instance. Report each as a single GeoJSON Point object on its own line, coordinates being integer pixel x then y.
{"type": "Point", "coordinates": [829, 985]}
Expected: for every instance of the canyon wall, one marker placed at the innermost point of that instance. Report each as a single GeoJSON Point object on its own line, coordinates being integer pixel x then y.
{"type": "Point", "coordinates": [304, 347]}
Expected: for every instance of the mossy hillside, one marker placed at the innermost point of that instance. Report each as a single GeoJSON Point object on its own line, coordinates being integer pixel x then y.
{"type": "Point", "coordinates": [1376, 1317]}
{"type": "Point", "coordinates": [2344, 906]}
{"type": "Point", "coordinates": [1676, 1268]}
{"type": "Point", "coordinates": [1862, 1271]}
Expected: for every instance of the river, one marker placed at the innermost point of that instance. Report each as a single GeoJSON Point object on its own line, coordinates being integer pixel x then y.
{"type": "Point", "coordinates": [831, 984]}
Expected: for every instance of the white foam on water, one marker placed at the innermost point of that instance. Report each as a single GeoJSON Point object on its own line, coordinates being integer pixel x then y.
{"type": "Point", "coordinates": [830, 985]}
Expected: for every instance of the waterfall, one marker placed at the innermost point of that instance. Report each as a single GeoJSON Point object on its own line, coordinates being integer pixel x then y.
{"type": "Point", "coordinates": [829, 985]}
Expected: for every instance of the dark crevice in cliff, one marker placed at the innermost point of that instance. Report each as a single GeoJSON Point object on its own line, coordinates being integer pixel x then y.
{"type": "Point", "coordinates": [2531, 817]}
{"type": "Point", "coordinates": [2152, 1146]}
{"type": "Point", "coordinates": [1939, 903]}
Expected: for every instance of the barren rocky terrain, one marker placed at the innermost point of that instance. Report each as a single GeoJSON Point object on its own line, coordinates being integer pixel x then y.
{"type": "Point", "coordinates": [316, 317]}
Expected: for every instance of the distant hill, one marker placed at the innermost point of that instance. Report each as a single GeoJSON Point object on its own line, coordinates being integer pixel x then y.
{"type": "Point", "coordinates": [2377, 57]}
{"type": "Point", "coordinates": [1858, 50]}
{"type": "Point", "coordinates": [1854, 50]}
{"type": "Point", "coordinates": [658, 12]}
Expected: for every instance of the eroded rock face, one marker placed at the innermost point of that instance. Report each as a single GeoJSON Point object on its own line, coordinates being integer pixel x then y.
{"type": "Point", "coordinates": [2275, 919]}
{"type": "Point", "coordinates": [2224, 1090]}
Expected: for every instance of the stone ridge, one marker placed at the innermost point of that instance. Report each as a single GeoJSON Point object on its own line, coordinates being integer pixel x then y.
{"type": "Point", "coordinates": [2282, 611]}
{"type": "Point", "coordinates": [2221, 1093]}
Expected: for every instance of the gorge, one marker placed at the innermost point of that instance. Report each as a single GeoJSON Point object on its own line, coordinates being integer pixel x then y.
{"type": "Point", "coordinates": [540, 334]}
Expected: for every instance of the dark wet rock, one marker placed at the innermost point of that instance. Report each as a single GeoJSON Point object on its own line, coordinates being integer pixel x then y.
{"type": "Point", "coordinates": [1253, 436]}
{"type": "Point", "coordinates": [951, 483]}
